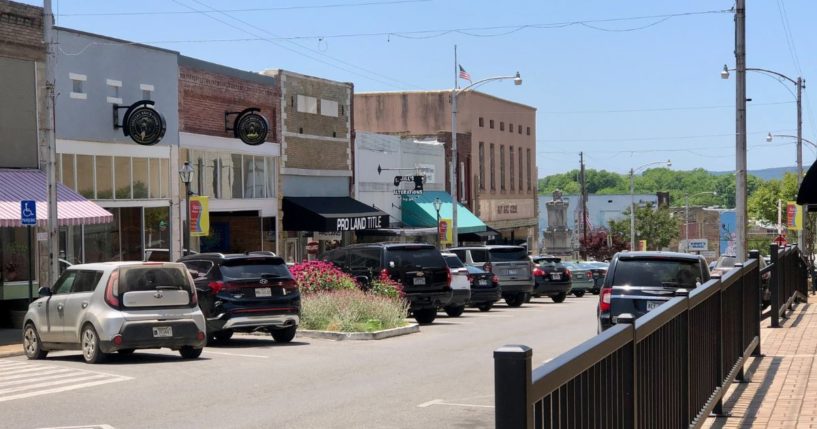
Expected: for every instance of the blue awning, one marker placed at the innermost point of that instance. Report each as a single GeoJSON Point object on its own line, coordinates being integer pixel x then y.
{"type": "Point", "coordinates": [419, 211]}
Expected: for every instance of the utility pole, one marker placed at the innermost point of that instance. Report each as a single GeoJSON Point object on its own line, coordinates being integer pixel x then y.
{"type": "Point", "coordinates": [801, 235]}
{"type": "Point", "coordinates": [50, 81]}
{"type": "Point", "coordinates": [454, 200]}
{"type": "Point", "coordinates": [583, 247]}
{"type": "Point", "coordinates": [740, 134]}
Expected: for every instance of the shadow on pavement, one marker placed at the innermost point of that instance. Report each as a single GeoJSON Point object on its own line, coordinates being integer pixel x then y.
{"type": "Point", "coordinates": [139, 357]}
{"type": "Point", "coordinates": [759, 395]}
{"type": "Point", "coordinates": [262, 342]}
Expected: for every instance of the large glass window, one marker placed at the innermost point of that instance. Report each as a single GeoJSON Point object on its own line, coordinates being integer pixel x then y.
{"type": "Point", "coordinates": [238, 177]}
{"type": "Point", "coordinates": [154, 170]}
{"type": "Point", "coordinates": [521, 176]}
{"type": "Point", "coordinates": [14, 254]}
{"type": "Point", "coordinates": [102, 240]}
{"type": "Point", "coordinates": [254, 177]}
{"type": "Point", "coordinates": [140, 178]}
{"type": "Point", "coordinates": [85, 180]}
{"type": "Point", "coordinates": [122, 177]}
{"type": "Point", "coordinates": [67, 176]}
{"type": "Point", "coordinates": [493, 168]}
{"type": "Point", "coordinates": [164, 183]}
{"type": "Point", "coordinates": [157, 228]}
{"type": "Point", "coordinates": [511, 159]}
{"type": "Point", "coordinates": [502, 167]}
{"type": "Point", "coordinates": [104, 178]}
{"type": "Point", "coordinates": [481, 163]}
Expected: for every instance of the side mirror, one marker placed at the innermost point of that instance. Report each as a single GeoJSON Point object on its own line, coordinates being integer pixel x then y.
{"type": "Point", "coordinates": [44, 291]}
{"type": "Point", "coordinates": [391, 264]}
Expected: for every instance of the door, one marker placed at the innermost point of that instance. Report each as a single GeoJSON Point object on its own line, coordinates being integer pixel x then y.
{"type": "Point", "coordinates": [54, 329]}
{"type": "Point", "coordinates": [77, 302]}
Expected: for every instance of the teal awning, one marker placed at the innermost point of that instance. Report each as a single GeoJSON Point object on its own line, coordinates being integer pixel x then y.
{"type": "Point", "coordinates": [418, 210]}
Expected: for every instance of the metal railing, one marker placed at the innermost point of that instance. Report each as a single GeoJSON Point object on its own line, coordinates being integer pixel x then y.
{"type": "Point", "coordinates": [788, 284]}
{"type": "Point", "coordinates": [669, 368]}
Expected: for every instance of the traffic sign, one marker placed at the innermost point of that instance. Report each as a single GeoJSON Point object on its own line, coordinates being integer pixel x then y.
{"type": "Point", "coordinates": [28, 212]}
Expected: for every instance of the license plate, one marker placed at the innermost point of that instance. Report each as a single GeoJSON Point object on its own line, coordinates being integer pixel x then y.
{"type": "Point", "coordinates": [163, 331]}
{"type": "Point", "coordinates": [419, 281]}
{"type": "Point", "coordinates": [556, 276]}
{"type": "Point", "coordinates": [483, 282]}
{"type": "Point", "coordinates": [652, 305]}
{"type": "Point", "coordinates": [263, 291]}
{"type": "Point", "coordinates": [512, 272]}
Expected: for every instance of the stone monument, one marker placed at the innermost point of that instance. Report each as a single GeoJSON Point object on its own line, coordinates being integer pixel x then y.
{"type": "Point", "coordinates": [557, 235]}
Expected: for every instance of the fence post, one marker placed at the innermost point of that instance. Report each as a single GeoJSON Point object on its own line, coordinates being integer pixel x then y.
{"type": "Point", "coordinates": [755, 254]}
{"type": "Point", "coordinates": [774, 284]}
{"type": "Point", "coordinates": [512, 383]}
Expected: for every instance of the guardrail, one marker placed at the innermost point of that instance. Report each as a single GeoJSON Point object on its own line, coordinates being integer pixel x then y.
{"type": "Point", "coordinates": [669, 368]}
{"type": "Point", "coordinates": [788, 284]}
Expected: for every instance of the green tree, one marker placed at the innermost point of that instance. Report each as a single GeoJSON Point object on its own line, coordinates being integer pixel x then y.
{"type": "Point", "coordinates": [657, 226]}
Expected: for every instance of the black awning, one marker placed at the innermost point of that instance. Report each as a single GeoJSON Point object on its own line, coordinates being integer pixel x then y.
{"type": "Point", "coordinates": [807, 194]}
{"type": "Point", "coordinates": [331, 214]}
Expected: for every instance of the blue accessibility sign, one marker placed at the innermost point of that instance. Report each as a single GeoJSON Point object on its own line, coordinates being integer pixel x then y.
{"type": "Point", "coordinates": [28, 212]}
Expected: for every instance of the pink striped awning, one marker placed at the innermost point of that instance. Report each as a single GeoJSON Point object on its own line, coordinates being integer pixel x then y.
{"type": "Point", "coordinates": [72, 208]}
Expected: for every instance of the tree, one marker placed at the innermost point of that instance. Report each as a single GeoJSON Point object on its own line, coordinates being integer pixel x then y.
{"type": "Point", "coordinates": [599, 247]}
{"type": "Point", "coordinates": [658, 227]}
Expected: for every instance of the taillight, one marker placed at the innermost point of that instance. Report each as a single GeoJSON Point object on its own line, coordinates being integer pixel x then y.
{"type": "Point", "coordinates": [448, 277]}
{"type": "Point", "coordinates": [117, 340]}
{"type": "Point", "coordinates": [470, 278]}
{"type": "Point", "coordinates": [200, 336]}
{"type": "Point", "coordinates": [538, 272]}
{"type": "Point", "coordinates": [216, 287]}
{"type": "Point", "coordinates": [568, 274]}
{"type": "Point", "coordinates": [112, 290]}
{"type": "Point", "coordinates": [487, 267]}
{"type": "Point", "coordinates": [604, 299]}
{"type": "Point", "coordinates": [495, 279]}
{"type": "Point", "coordinates": [384, 274]}
{"type": "Point", "coordinates": [289, 284]}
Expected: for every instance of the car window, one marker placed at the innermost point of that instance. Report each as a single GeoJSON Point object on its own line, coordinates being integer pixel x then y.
{"type": "Point", "coordinates": [479, 255]}
{"type": "Point", "coordinates": [65, 283]}
{"type": "Point", "coordinates": [198, 268]}
{"type": "Point", "coordinates": [460, 254]}
{"type": "Point", "coordinates": [657, 272]}
{"type": "Point", "coordinates": [413, 257]}
{"type": "Point", "coordinates": [453, 261]}
{"type": "Point", "coordinates": [86, 281]}
{"type": "Point", "coordinates": [147, 278]}
{"type": "Point", "coordinates": [337, 257]}
{"type": "Point", "coordinates": [725, 262]}
{"type": "Point", "coordinates": [364, 258]}
{"type": "Point", "coordinates": [508, 254]}
{"type": "Point", "coordinates": [254, 268]}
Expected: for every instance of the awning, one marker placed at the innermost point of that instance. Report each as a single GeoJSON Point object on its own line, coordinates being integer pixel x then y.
{"type": "Point", "coordinates": [30, 184]}
{"type": "Point", "coordinates": [419, 211]}
{"type": "Point", "coordinates": [807, 194]}
{"type": "Point", "coordinates": [331, 214]}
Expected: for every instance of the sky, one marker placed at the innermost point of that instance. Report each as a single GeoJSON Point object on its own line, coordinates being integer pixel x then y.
{"type": "Point", "coordinates": [626, 82]}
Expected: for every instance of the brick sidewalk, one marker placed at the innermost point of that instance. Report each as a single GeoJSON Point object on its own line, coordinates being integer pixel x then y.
{"type": "Point", "coordinates": [783, 388]}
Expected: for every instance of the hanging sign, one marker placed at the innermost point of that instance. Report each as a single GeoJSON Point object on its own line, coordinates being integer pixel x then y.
{"type": "Point", "coordinates": [249, 126]}
{"type": "Point", "coordinates": [415, 185]}
{"type": "Point", "coordinates": [142, 123]}
{"type": "Point", "coordinates": [199, 216]}
{"type": "Point", "coordinates": [446, 231]}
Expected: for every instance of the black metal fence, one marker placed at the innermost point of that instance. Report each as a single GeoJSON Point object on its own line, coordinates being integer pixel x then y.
{"type": "Point", "coordinates": [670, 368]}
{"type": "Point", "coordinates": [787, 284]}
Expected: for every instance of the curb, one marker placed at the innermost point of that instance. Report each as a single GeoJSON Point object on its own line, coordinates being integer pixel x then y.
{"type": "Point", "coordinates": [11, 351]}
{"type": "Point", "coordinates": [341, 336]}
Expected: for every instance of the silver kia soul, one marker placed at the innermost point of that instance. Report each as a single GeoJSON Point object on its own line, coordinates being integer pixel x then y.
{"type": "Point", "coordinates": [116, 307]}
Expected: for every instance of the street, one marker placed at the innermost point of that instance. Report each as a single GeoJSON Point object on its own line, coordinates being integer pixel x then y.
{"type": "Point", "coordinates": [440, 377]}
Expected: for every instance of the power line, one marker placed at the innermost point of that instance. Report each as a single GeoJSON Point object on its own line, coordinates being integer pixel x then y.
{"type": "Point", "coordinates": [661, 109]}
{"type": "Point", "coordinates": [258, 9]}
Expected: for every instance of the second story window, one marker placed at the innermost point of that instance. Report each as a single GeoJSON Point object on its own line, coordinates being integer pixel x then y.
{"type": "Point", "coordinates": [491, 124]}
{"type": "Point", "coordinates": [511, 159]}
{"type": "Point", "coordinates": [114, 87]}
{"type": "Point", "coordinates": [307, 104]}
{"type": "Point", "coordinates": [78, 82]}
{"type": "Point", "coordinates": [510, 128]}
{"type": "Point", "coordinates": [481, 122]}
{"type": "Point", "coordinates": [147, 91]}
{"type": "Point", "coordinates": [493, 168]}
{"type": "Point", "coordinates": [329, 108]}
{"type": "Point", "coordinates": [502, 167]}
{"type": "Point", "coordinates": [501, 126]}
{"type": "Point", "coordinates": [528, 130]}
{"type": "Point", "coordinates": [481, 165]}
{"type": "Point", "coordinates": [520, 129]}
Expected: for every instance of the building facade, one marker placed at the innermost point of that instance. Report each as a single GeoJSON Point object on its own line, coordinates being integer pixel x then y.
{"type": "Point", "coordinates": [502, 165]}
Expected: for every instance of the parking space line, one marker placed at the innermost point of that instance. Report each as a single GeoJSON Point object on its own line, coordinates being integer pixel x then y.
{"type": "Point", "coordinates": [452, 404]}
{"type": "Point", "coordinates": [429, 403]}
{"type": "Point", "coordinates": [236, 354]}
{"type": "Point", "coordinates": [49, 383]}
{"type": "Point", "coordinates": [62, 389]}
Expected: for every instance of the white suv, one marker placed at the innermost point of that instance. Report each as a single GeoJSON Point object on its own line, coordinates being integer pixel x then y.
{"type": "Point", "coordinates": [116, 307]}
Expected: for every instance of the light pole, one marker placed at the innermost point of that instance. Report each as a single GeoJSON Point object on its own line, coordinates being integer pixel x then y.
{"type": "Point", "coordinates": [186, 174]}
{"type": "Point", "coordinates": [686, 216]}
{"type": "Point", "coordinates": [632, 197]}
{"type": "Point", "coordinates": [799, 83]}
{"type": "Point", "coordinates": [517, 80]}
{"type": "Point", "coordinates": [437, 205]}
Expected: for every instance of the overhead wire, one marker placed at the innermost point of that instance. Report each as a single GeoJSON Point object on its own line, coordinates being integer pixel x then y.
{"type": "Point", "coordinates": [255, 9]}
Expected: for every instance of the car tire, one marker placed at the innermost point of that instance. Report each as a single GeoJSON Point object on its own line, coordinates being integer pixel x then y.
{"type": "Point", "coordinates": [559, 298]}
{"type": "Point", "coordinates": [485, 307]}
{"type": "Point", "coordinates": [89, 344]}
{"type": "Point", "coordinates": [189, 352]}
{"type": "Point", "coordinates": [126, 352]}
{"type": "Point", "coordinates": [578, 293]}
{"type": "Point", "coordinates": [455, 311]}
{"type": "Point", "coordinates": [425, 316]}
{"type": "Point", "coordinates": [515, 301]}
{"type": "Point", "coordinates": [222, 337]}
{"type": "Point", "coordinates": [284, 335]}
{"type": "Point", "coordinates": [527, 298]}
{"type": "Point", "coordinates": [31, 343]}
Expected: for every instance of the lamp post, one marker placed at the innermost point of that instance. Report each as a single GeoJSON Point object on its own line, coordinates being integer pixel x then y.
{"type": "Point", "coordinates": [686, 216]}
{"type": "Point", "coordinates": [799, 84]}
{"type": "Point", "coordinates": [437, 205]}
{"type": "Point", "coordinates": [632, 197]}
{"type": "Point", "coordinates": [517, 80]}
{"type": "Point", "coordinates": [186, 174]}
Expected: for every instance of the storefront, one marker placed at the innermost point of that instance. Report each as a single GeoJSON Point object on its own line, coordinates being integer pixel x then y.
{"type": "Point", "coordinates": [419, 211]}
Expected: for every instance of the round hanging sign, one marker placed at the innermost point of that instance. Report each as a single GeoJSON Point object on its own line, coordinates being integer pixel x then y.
{"type": "Point", "coordinates": [144, 125]}
{"type": "Point", "coordinates": [251, 128]}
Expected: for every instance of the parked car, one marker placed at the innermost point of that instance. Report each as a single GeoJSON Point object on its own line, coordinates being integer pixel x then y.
{"type": "Point", "coordinates": [581, 277]}
{"type": "Point", "coordinates": [551, 277]}
{"type": "Point", "coordinates": [599, 270]}
{"type": "Point", "coordinates": [419, 267]}
{"type": "Point", "coordinates": [638, 282]}
{"type": "Point", "coordinates": [485, 289]}
{"type": "Point", "coordinates": [246, 292]}
{"type": "Point", "coordinates": [162, 255]}
{"type": "Point", "coordinates": [460, 285]}
{"type": "Point", "coordinates": [510, 263]}
{"type": "Point", "coordinates": [116, 307]}
{"type": "Point", "coordinates": [727, 262]}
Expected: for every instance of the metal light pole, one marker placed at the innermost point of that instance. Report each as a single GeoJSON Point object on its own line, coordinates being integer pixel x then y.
{"type": "Point", "coordinates": [517, 80]}
{"type": "Point", "coordinates": [50, 138]}
{"type": "Point", "coordinates": [437, 206]}
{"type": "Point", "coordinates": [186, 174]}
{"type": "Point", "coordinates": [686, 217]}
{"type": "Point", "coordinates": [632, 197]}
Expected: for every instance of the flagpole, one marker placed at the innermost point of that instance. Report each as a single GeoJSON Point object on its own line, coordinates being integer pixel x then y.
{"type": "Point", "coordinates": [454, 199]}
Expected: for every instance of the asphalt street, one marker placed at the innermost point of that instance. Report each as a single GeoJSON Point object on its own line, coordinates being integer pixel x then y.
{"type": "Point", "coordinates": [440, 377]}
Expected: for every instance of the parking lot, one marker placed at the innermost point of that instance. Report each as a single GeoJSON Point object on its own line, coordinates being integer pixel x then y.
{"type": "Point", "coordinates": [440, 377]}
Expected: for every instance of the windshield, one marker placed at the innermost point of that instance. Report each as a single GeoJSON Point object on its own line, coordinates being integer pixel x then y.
{"type": "Point", "coordinates": [508, 254]}
{"type": "Point", "coordinates": [413, 257]}
{"type": "Point", "coordinates": [453, 261]}
{"type": "Point", "coordinates": [725, 262]}
{"type": "Point", "coordinates": [254, 269]}
{"type": "Point", "coordinates": [657, 272]}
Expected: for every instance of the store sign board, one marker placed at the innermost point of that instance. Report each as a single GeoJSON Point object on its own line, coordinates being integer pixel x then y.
{"type": "Point", "coordinates": [357, 223]}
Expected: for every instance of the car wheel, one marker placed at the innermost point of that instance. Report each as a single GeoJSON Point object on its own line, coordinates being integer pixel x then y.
{"type": "Point", "coordinates": [425, 316]}
{"type": "Point", "coordinates": [222, 336]}
{"type": "Point", "coordinates": [189, 352]}
{"type": "Point", "coordinates": [527, 298]}
{"type": "Point", "coordinates": [455, 311]}
{"type": "Point", "coordinates": [89, 342]}
{"type": "Point", "coordinates": [485, 307]}
{"type": "Point", "coordinates": [31, 343]}
{"type": "Point", "coordinates": [559, 298]}
{"type": "Point", "coordinates": [515, 301]}
{"type": "Point", "coordinates": [126, 352]}
{"type": "Point", "coordinates": [284, 335]}
{"type": "Point", "coordinates": [578, 293]}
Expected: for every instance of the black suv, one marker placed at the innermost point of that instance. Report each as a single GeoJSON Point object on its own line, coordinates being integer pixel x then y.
{"type": "Point", "coordinates": [551, 278]}
{"type": "Point", "coordinates": [419, 267]}
{"type": "Point", "coordinates": [638, 282]}
{"type": "Point", "coordinates": [245, 292]}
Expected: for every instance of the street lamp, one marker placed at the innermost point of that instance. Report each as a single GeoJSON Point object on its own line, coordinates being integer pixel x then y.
{"type": "Point", "coordinates": [437, 205]}
{"type": "Point", "coordinates": [517, 80]}
{"type": "Point", "coordinates": [632, 197]}
{"type": "Point", "coordinates": [770, 137]}
{"type": "Point", "coordinates": [186, 174]}
{"type": "Point", "coordinates": [686, 216]}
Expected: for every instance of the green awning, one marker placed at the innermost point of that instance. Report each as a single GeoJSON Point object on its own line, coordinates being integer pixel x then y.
{"type": "Point", "coordinates": [418, 210]}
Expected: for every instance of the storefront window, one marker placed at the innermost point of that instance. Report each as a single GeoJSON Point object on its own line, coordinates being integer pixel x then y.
{"type": "Point", "coordinates": [85, 180]}
{"type": "Point", "coordinates": [157, 228]}
{"type": "Point", "coordinates": [122, 178]}
{"type": "Point", "coordinates": [71, 244]}
{"type": "Point", "coordinates": [227, 176]}
{"type": "Point", "coordinates": [164, 183]}
{"type": "Point", "coordinates": [104, 178]}
{"type": "Point", "coordinates": [271, 191]}
{"type": "Point", "coordinates": [238, 177]}
{"type": "Point", "coordinates": [67, 176]}
{"type": "Point", "coordinates": [140, 178]}
{"type": "Point", "coordinates": [102, 240]}
{"type": "Point", "coordinates": [155, 172]}
{"type": "Point", "coordinates": [14, 254]}
{"type": "Point", "coordinates": [130, 227]}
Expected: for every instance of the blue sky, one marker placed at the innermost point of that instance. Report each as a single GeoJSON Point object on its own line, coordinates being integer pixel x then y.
{"type": "Point", "coordinates": [625, 98]}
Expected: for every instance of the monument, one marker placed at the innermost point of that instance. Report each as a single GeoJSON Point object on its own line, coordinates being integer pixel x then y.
{"type": "Point", "coordinates": [557, 235]}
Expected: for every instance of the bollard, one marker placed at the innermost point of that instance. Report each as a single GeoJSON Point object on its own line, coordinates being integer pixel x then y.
{"type": "Point", "coordinates": [512, 384]}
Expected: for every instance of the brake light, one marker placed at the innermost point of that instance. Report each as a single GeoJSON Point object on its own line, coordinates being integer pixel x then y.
{"type": "Point", "coordinates": [487, 267]}
{"type": "Point", "coordinates": [495, 279]}
{"type": "Point", "coordinates": [112, 290]}
{"type": "Point", "coordinates": [289, 284]}
{"type": "Point", "coordinates": [538, 272]}
{"type": "Point", "coordinates": [604, 299]}
{"type": "Point", "coordinates": [568, 274]}
{"type": "Point", "coordinates": [216, 287]}
{"type": "Point", "coordinates": [384, 274]}
{"type": "Point", "coordinates": [117, 340]}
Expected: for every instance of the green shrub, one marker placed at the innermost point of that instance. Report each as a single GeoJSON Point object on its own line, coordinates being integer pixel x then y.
{"type": "Point", "coordinates": [351, 311]}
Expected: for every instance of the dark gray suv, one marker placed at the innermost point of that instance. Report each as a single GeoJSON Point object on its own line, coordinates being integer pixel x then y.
{"type": "Point", "coordinates": [638, 282]}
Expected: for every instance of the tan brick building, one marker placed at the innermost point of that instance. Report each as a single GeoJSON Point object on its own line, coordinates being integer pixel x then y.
{"type": "Point", "coordinates": [502, 165]}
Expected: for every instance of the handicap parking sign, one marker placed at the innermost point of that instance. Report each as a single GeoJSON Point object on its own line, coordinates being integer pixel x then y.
{"type": "Point", "coordinates": [28, 212]}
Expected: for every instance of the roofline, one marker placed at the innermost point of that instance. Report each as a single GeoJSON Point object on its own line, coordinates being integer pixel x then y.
{"type": "Point", "coordinates": [113, 39]}
{"type": "Point", "coordinates": [446, 91]}
{"type": "Point", "coordinates": [304, 76]}
{"type": "Point", "coordinates": [208, 66]}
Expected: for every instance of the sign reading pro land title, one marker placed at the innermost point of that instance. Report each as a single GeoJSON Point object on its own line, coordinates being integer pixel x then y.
{"type": "Point", "coordinates": [331, 214]}
{"type": "Point", "coordinates": [359, 223]}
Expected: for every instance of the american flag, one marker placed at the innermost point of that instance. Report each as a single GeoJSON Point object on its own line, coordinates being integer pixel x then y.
{"type": "Point", "coordinates": [464, 74]}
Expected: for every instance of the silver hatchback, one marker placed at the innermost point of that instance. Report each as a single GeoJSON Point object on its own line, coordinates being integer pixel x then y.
{"type": "Point", "coordinates": [116, 307]}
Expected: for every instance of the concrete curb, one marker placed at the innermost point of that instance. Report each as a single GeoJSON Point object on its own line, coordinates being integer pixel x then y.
{"type": "Point", "coordinates": [11, 350]}
{"type": "Point", "coordinates": [341, 336]}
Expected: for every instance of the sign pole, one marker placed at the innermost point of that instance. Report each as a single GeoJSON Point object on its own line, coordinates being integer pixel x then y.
{"type": "Point", "coordinates": [30, 267]}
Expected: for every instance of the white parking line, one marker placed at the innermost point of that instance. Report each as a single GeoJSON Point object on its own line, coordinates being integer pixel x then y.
{"type": "Point", "coordinates": [27, 380]}
{"type": "Point", "coordinates": [451, 404]}
{"type": "Point", "coordinates": [83, 427]}
{"type": "Point", "coordinates": [236, 354]}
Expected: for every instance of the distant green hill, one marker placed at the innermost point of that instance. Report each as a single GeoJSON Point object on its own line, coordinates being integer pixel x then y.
{"type": "Point", "coordinates": [766, 173]}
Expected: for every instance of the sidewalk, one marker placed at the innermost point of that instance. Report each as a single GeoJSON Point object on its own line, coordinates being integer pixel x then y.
{"type": "Point", "coordinates": [10, 342]}
{"type": "Point", "coordinates": [783, 388]}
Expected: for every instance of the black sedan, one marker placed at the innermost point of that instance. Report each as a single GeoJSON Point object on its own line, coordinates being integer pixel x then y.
{"type": "Point", "coordinates": [485, 290]}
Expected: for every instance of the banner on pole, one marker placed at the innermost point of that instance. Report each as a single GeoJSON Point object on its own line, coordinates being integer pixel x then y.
{"type": "Point", "coordinates": [446, 235]}
{"type": "Point", "coordinates": [199, 217]}
{"type": "Point", "coordinates": [794, 216]}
